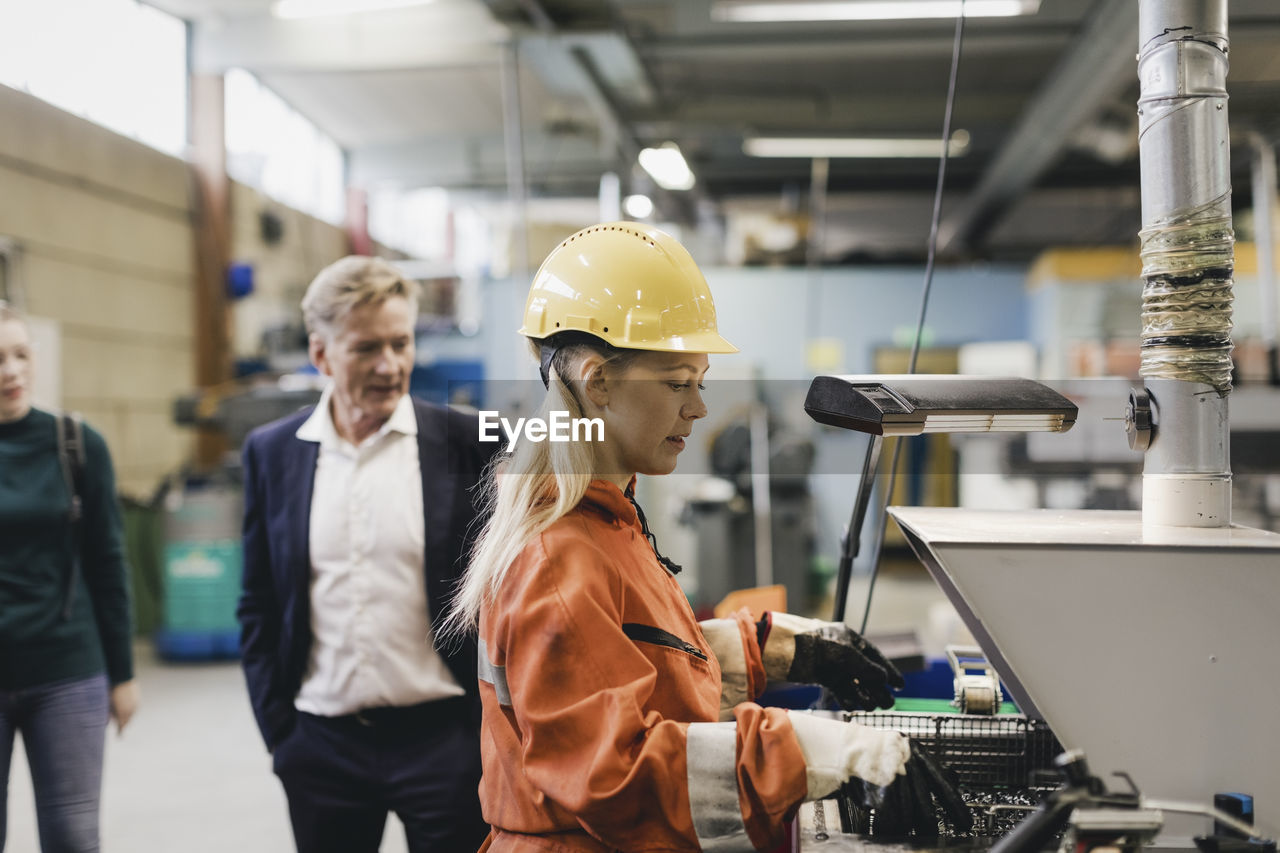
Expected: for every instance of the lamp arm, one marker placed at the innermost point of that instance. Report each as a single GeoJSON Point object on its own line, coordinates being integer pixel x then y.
{"type": "Point", "coordinates": [852, 535]}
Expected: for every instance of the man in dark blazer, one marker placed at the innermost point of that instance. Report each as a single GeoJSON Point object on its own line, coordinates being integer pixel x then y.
{"type": "Point", "coordinates": [359, 515]}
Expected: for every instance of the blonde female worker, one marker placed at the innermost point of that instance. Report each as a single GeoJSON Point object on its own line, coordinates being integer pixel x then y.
{"type": "Point", "coordinates": [613, 720]}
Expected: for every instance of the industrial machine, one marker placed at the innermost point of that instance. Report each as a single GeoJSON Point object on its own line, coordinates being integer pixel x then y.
{"type": "Point", "coordinates": [1146, 639]}
{"type": "Point", "coordinates": [1083, 814]}
{"type": "Point", "coordinates": [1144, 643]}
{"type": "Point", "coordinates": [236, 409]}
{"type": "Point", "coordinates": [725, 520]}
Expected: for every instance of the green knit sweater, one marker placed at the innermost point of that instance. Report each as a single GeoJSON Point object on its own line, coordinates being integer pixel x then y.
{"type": "Point", "coordinates": [38, 643]}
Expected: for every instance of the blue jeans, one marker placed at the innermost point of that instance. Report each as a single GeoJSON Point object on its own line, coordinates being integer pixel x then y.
{"type": "Point", "coordinates": [64, 728]}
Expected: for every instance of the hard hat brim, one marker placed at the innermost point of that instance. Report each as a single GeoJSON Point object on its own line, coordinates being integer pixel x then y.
{"type": "Point", "coordinates": [707, 342]}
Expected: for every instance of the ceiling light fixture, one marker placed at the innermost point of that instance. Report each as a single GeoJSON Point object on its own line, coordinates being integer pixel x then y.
{"type": "Point", "coordinates": [666, 165]}
{"type": "Point", "coordinates": [778, 146]}
{"type": "Point", "coordinates": [293, 9]}
{"type": "Point", "coordinates": [760, 11]}
{"type": "Point", "coordinates": [638, 206]}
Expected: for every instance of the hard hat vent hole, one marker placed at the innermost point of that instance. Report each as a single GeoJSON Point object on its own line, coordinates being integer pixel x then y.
{"type": "Point", "coordinates": [606, 328]}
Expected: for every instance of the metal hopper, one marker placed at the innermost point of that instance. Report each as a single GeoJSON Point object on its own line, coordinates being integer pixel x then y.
{"type": "Point", "coordinates": [1154, 649]}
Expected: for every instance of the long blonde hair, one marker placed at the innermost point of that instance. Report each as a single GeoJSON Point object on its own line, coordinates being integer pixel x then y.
{"type": "Point", "coordinates": [529, 491]}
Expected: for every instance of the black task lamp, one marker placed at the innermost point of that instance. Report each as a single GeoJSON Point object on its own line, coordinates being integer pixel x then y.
{"type": "Point", "coordinates": [915, 404]}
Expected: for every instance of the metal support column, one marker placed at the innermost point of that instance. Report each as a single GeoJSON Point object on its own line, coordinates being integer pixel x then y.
{"type": "Point", "coordinates": [1264, 204]}
{"type": "Point", "coordinates": [513, 136]}
{"type": "Point", "coordinates": [211, 191]}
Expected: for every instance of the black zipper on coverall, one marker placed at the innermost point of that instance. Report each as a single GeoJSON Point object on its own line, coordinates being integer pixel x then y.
{"type": "Point", "coordinates": [658, 637]}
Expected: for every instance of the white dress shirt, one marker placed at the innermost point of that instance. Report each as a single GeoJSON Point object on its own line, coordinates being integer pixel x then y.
{"type": "Point", "coordinates": [371, 633]}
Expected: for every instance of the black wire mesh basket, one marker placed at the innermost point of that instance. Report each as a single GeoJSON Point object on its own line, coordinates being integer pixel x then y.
{"type": "Point", "coordinates": [1003, 764]}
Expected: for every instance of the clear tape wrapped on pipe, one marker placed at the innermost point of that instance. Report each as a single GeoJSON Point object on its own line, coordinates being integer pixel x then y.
{"type": "Point", "coordinates": [1187, 264]}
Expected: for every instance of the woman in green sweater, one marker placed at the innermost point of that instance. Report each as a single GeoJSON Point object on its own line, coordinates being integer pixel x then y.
{"type": "Point", "coordinates": [65, 658]}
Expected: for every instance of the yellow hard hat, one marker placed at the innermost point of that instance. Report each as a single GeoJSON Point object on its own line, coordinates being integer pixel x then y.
{"type": "Point", "coordinates": [628, 284]}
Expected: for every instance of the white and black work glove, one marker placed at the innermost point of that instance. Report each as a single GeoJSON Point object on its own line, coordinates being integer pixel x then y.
{"type": "Point", "coordinates": [910, 804]}
{"type": "Point", "coordinates": [809, 651]}
{"type": "Point", "coordinates": [836, 752]}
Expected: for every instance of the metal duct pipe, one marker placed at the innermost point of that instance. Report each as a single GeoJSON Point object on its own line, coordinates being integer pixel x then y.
{"type": "Point", "coordinates": [1187, 259]}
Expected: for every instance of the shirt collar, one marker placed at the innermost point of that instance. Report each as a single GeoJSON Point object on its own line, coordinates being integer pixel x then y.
{"type": "Point", "coordinates": [319, 426]}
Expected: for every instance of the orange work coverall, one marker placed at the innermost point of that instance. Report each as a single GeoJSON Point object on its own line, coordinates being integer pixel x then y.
{"type": "Point", "coordinates": [601, 698]}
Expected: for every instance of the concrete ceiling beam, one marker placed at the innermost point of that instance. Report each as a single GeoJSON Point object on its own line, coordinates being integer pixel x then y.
{"type": "Point", "coordinates": [436, 35]}
{"type": "Point", "coordinates": [826, 47]}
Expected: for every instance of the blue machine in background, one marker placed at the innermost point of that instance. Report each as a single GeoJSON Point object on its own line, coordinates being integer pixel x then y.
{"type": "Point", "coordinates": [460, 382]}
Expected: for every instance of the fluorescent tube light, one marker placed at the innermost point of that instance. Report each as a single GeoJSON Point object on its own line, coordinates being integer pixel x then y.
{"type": "Point", "coordinates": [766, 146]}
{"type": "Point", "coordinates": [638, 206]}
{"type": "Point", "coordinates": [758, 11]}
{"type": "Point", "coordinates": [667, 167]}
{"type": "Point", "coordinates": [291, 9]}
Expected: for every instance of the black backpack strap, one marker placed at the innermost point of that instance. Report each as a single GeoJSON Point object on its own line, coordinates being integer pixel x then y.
{"type": "Point", "coordinates": [71, 459]}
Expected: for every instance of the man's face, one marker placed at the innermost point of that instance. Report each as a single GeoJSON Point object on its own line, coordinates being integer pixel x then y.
{"type": "Point", "coordinates": [369, 359]}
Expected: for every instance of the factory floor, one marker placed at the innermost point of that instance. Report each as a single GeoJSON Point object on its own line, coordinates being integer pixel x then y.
{"type": "Point", "coordinates": [190, 774]}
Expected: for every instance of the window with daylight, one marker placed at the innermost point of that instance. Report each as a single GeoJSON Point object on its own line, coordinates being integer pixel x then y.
{"type": "Point", "coordinates": [115, 62]}
{"type": "Point", "coordinates": [273, 148]}
{"type": "Point", "coordinates": [415, 221]}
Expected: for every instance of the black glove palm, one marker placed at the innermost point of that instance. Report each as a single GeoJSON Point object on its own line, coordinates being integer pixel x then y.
{"type": "Point", "coordinates": [837, 657]}
{"type": "Point", "coordinates": [906, 806]}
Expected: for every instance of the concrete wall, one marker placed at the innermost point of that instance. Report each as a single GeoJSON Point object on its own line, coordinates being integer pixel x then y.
{"type": "Point", "coordinates": [773, 315]}
{"type": "Point", "coordinates": [282, 270]}
{"type": "Point", "coordinates": [102, 226]}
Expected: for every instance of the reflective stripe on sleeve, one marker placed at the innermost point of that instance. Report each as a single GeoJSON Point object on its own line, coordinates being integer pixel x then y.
{"type": "Point", "coordinates": [725, 639]}
{"type": "Point", "coordinates": [712, 756]}
{"type": "Point", "coordinates": [490, 674]}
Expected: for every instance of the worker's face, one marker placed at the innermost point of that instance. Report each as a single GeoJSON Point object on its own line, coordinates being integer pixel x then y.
{"type": "Point", "coordinates": [15, 370]}
{"type": "Point", "coordinates": [649, 411]}
{"type": "Point", "coordinates": [369, 359]}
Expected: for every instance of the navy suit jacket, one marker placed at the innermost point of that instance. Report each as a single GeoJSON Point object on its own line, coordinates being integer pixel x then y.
{"type": "Point", "coordinates": [275, 604]}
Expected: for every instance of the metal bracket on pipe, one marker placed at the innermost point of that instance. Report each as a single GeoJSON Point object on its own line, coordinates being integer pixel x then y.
{"type": "Point", "coordinates": [1138, 424]}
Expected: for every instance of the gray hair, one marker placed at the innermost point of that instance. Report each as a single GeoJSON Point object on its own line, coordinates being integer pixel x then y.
{"type": "Point", "coordinates": [349, 283]}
